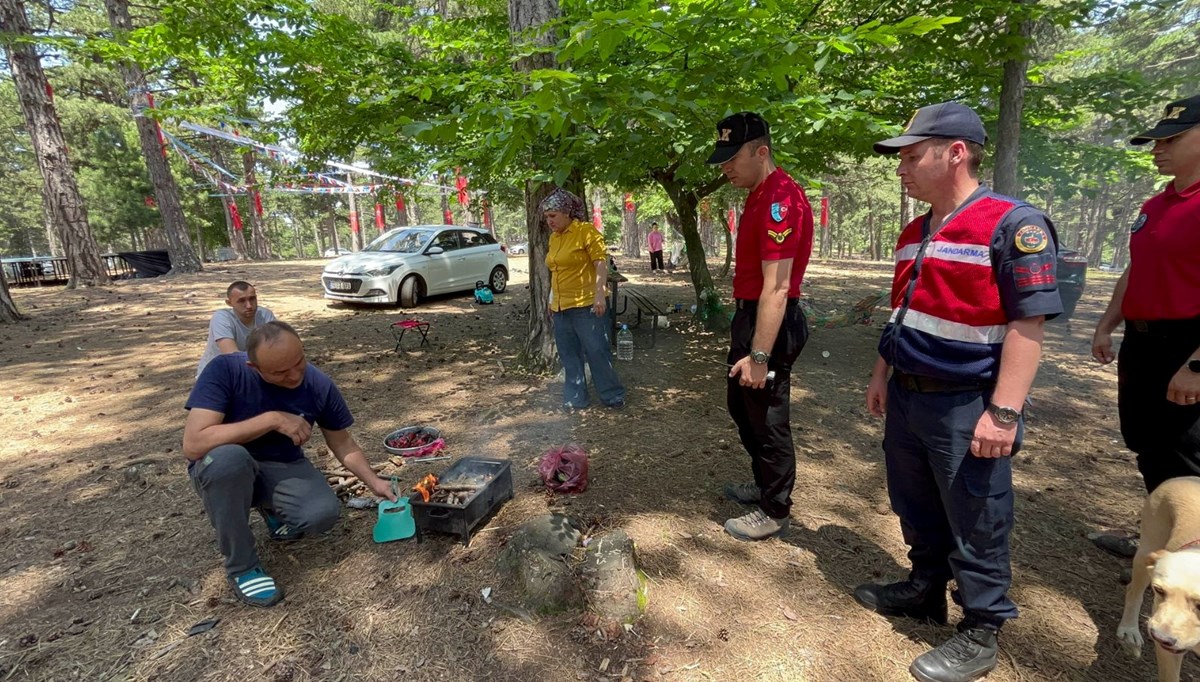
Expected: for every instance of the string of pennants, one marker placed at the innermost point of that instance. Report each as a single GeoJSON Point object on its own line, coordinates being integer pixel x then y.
{"type": "Point", "coordinates": [326, 182]}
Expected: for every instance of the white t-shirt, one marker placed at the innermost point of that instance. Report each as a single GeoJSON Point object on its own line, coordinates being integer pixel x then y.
{"type": "Point", "coordinates": [225, 324]}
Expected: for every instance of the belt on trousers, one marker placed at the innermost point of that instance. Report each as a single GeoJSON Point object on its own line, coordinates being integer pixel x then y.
{"type": "Point", "coordinates": [920, 384]}
{"type": "Point", "coordinates": [1165, 327]}
{"type": "Point", "coordinates": [752, 303]}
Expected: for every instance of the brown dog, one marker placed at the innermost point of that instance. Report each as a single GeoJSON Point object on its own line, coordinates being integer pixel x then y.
{"type": "Point", "coordinates": [1168, 560]}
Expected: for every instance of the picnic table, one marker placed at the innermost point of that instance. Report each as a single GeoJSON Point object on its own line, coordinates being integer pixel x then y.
{"type": "Point", "coordinates": [614, 282]}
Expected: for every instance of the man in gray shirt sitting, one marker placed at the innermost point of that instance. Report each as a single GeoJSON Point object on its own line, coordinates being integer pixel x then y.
{"type": "Point", "coordinates": [229, 328]}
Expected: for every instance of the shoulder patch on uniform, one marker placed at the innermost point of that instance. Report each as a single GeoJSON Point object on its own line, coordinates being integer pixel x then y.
{"type": "Point", "coordinates": [779, 236]}
{"type": "Point", "coordinates": [778, 212]}
{"type": "Point", "coordinates": [1139, 223]}
{"type": "Point", "coordinates": [1031, 239]}
{"type": "Point", "coordinates": [1035, 273]}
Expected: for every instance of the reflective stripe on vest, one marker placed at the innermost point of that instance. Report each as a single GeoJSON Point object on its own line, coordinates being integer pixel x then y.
{"type": "Point", "coordinates": [947, 329]}
{"type": "Point", "coordinates": [956, 296]}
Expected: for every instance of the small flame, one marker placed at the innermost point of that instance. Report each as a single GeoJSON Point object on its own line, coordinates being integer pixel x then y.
{"type": "Point", "coordinates": [426, 486]}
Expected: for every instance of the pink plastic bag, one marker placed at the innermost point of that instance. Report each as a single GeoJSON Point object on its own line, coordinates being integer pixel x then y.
{"type": "Point", "coordinates": [565, 469]}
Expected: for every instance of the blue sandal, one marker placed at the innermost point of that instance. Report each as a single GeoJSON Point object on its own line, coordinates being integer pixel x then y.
{"type": "Point", "coordinates": [256, 588]}
{"type": "Point", "coordinates": [277, 528]}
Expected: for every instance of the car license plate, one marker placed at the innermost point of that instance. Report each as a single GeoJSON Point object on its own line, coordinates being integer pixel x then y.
{"type": "Point", "coordinates": [339, 285]}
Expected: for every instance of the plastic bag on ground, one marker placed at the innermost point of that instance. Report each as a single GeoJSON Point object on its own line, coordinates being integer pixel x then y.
{"type": "Point", "coordinates": [565, 469]}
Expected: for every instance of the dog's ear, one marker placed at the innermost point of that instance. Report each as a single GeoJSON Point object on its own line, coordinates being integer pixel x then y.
{"type": "Point", "coordinates": [1153, 557]}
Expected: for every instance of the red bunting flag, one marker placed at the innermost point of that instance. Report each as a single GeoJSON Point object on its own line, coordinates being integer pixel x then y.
{"type": "Point", "coordinates": [399, 204]}
{"type": "Point", "coordinates": [258, 203]}
{"type": "Point", "coordinates": [732, 221]}
{"type": "Point", "coordinates": [234, 216]}
{"type": "Point", "coordinates": [460, 183]}
{"type": "Point", "coordinates": [487, 214]}
{"type": "Point", "coordinates": [824, 213]}
{"type": "Point", "coordinates": [596, 222]}
{"type": "Point", "coordinates": [447, 217]}
{"type": "Point", "coordinates": [379, 216]}
{"type": "Point", "coordinates": [149, 200]}
{"type": "Point", "coordinates": [354, 221]}
{"type": "Point", "coordinates": [629, 202]}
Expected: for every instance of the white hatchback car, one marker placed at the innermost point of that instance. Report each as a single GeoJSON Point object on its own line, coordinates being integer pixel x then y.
{"type": "Point", "coordinates": [406, 264]}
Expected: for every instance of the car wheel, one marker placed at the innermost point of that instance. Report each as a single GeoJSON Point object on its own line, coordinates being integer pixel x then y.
{"type": "Point", "coordinates": [406, 295]}
{"type": "Point", "coordinates": [498, 280]}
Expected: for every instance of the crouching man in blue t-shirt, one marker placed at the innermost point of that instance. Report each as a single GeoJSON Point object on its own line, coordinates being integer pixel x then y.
{"type": "Point", "coordinates": [249, 414]}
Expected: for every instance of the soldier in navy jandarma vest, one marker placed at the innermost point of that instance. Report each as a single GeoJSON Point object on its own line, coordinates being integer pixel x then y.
{"type": "Point", "coordinates": [974, 284]}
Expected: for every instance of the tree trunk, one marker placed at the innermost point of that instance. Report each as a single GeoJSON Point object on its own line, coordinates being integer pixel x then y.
{"type": "Point", "coordinates": [166, 193]}
{"type": "Point", "coordinates": [685, 200]}
{"type": "Point", "coordinates": [906, 207]}
{"type": "Point", "coordinates": [260, 240]}
{"type": "Point", "coordinates": [630, 234]}
{"type": "Point", "coordinates": [52, 239]}
{"type": "Point", "coordinates": [447, 214]}
{"type": "Point", "coordinates": [59, 188]}
{"type": "Point", "coordinates": [525, 23]}
{"type": "Point", "coordinates": [402, 216]}
{"type": "Point", "coordinates": [356, 236]}
{"type": "Point", "coordinates": [237, 238]}
{"type": "Point", "coordinates": [318, 239]}
{"type": "Point", "coordinates": [1006, 177]}
{"type": "Point", "coordinates": [8, 309]}
{"type": "Point", "coordinates": [725, 268]}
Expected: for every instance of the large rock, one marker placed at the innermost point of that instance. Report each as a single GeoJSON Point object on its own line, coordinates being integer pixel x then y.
{"type": "Point", "coordinates": [541, 559]}
{"type": "Point", "coordinates": [536, 559]}
{"type": "Point", "coordinates": [547, 583]}
{"type": "Point", "coordinates": [615, 587]}
{"type": "Point", "coordinates": [551, 533]}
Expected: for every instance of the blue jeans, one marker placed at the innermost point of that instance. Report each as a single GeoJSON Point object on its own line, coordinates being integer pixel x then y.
{"type": "Point", "coordinates": [955, 509]}
{"type": "Point", "coordinates": [581, 336]}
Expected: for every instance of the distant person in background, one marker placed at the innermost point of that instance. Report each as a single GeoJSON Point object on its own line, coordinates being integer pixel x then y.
{"type": "Point", "coordinates": [230, 327]}
{"type": "Point", "coordinates": [655, 241]}
{"type": "Point", "coordinates": [1158, 298]}
{"type": "Point", "coordinates": [578, 275]}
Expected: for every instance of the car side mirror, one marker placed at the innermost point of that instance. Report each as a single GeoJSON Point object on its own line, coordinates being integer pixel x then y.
{"type": "Point", "coordinates": [434, 250]}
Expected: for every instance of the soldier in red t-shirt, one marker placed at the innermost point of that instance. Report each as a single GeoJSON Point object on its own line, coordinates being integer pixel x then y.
{"type": "Point", "coordinates": [774, 239]}
{"type": "Point", "coordinates": [1158, 298]}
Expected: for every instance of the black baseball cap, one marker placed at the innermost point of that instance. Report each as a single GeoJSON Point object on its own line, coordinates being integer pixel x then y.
{"type": "Point", "coordinates": [735, 131]}
{"type": "Point", "coordinates": [1179, 117]}
{"type": "Point", "coordinates": [949, 120]}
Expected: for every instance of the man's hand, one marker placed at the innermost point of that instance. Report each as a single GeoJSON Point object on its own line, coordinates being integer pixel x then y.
{"type": "Point", "coordinates": [293, 426]}
{"type": "Point", "coordinates": [1184, 388]}
{"type": "Point", "coordinates": [600, 306]}
{"type": "Point", "coordinates": [749, 373]}
{"type": "Point", "coordinates": [381, 488]}
{"type": "Point", "coordinates": [877, 394]}
{"type": "Point", "coordinates": [993, 439]}
{"type": "Point", "coordinates": [1102, 347]}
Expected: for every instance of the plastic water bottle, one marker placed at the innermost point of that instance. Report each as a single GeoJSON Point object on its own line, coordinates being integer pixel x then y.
{"type": "Point", "coordinates": [624, 343]}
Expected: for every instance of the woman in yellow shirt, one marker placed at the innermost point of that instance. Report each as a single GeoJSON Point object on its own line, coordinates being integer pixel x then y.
{"type": "Point", "coordinates": [577, 261]}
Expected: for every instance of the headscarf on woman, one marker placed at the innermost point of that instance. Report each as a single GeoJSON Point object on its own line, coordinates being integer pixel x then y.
{"type": "Point", "coordinates": [562, 201]}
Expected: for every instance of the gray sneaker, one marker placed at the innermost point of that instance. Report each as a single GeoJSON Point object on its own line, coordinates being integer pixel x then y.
{"type": "Point", "coordinates": [743, 493]}
{"type": "Point", "coordinates": [755, 526]}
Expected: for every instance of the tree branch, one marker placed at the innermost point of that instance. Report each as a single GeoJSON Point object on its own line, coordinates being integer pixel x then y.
{"type": "Point", "coordinates": [710, 186]}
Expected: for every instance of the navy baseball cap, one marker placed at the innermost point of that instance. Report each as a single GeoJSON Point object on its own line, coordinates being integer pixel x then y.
{"type": "Point", "coordinates": [1179, 117]}
{"type": "Point", "coordinates": [949, 120]}
{"type": "Point", "coordinates": [735, 131]}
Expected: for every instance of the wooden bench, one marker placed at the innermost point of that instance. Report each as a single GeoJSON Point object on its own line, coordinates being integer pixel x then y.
{"type": "Point", "coordinates": [643, 304]}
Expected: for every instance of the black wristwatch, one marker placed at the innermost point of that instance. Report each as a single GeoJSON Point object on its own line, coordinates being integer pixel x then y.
{"type": "Point", "coordinates": [1004, 415]}
{"type": "Point", "coordinates": [1194, 365]}
{"type": "Point", "coordinates": [759, 357]}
